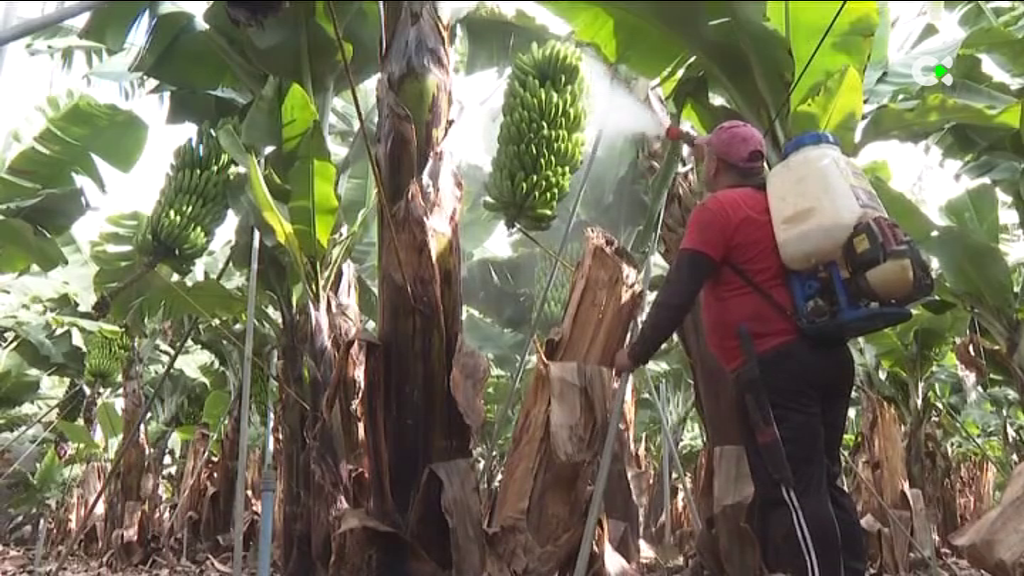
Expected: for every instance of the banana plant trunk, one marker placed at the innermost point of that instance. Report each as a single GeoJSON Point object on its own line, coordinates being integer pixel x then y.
{"type": "Point", "coordinates": [726, 545]}
{"type": "Point", "coordinates": [217, 510]}
{"type": "Point", "coordinates": [291, 511]}
{"type": "Point", "coordinates": [128, 531]}
{"type": "Point", "coordinates": [420, 286]}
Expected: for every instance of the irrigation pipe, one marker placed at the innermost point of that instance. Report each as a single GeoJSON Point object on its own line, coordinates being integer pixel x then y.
{"type": "Point", "coordinates": [133, 435]}
{"type": "Point", "coordinates": [506, 408]}
{"type": "Point", "coordinates": [35, 25]}
{"type": "Point", "coordinates": [666, 469]}
{"type": "Point", "coordinates": [603, 467]}
{"type": "Point", "coordinates": [243, 408]}
{"type": "Point", "coordinates": [268, 486]}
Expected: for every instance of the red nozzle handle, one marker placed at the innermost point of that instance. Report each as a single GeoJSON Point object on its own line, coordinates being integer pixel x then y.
{"type": "Point", "coordinates": [675, 133]}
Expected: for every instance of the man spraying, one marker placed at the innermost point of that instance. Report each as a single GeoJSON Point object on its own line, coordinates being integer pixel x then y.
{"type": "Point", "coordinates": [806, 524]}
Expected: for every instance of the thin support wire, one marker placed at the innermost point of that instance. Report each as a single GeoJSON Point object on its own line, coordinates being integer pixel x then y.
{"type": "Point", "coordinates": [506, 408]}
{"type": "Point", "coordinates": [604, 465]}
{"type": "Point", "coordinates": [932, 561]}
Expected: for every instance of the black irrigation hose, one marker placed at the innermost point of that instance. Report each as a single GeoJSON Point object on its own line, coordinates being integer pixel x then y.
{"type": "Point", "coordinates": [792, 87]}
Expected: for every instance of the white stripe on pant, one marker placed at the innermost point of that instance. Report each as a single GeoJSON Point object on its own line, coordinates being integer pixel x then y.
{"type": "Point", "coordinates": [803, 535]}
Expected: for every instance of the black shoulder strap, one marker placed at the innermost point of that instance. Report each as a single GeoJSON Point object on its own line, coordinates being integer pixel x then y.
{"type": "Point", "coordinates": [764, 293]}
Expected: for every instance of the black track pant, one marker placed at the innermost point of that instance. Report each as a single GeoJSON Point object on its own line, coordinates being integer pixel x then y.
{"type": "Point", "coordinates": [808, 387]}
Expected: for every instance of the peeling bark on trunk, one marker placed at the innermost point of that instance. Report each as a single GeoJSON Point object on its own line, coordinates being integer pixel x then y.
{"type": "Point", "coordinates": [94, 536]}
{"type": "Point", "coordinates": [126, 506]}
{"type": "Point", "coordinates": [542, 501]}
{"type": "Point", "coordinates": [190, 496]}
{"type": "Point", "coordinates": [975, 487]}
{"type": "Point", "coordinates": [292, 528]}
{"type": "Point", "coordinates": [941, 486]}
{"type": "Point", "coordinates": [726, 543]}
{"type": "Point", "coordinates": [333, 427]}
{"type": "Point", "coordinates": [219, 498]}
{"type": "Point", "coordinates": [321, 468]}
{"type": "Point", "coordinates": [419, 285]}
{"type": "Point", "coordinates": [993, 542]}
{"type": "Point", "coordinates": [445, 533]}
{"type": "Point", "coordinates": [154, 471]}
{"type": "Point", "coordinates": [881, 460]}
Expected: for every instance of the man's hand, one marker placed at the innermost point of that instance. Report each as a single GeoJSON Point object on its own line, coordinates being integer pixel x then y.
{"type": "Point", "coordinates": [623, 364]}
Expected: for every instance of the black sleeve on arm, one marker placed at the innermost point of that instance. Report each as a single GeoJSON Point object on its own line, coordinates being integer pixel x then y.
{"type": "Point", "coordinates": [683, 284]}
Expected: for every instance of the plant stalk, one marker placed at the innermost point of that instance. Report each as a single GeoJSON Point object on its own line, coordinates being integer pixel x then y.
{"type": "Point", "coordinates": [36, 25]}
{"type": "Point", "coordinates": [243, 407]}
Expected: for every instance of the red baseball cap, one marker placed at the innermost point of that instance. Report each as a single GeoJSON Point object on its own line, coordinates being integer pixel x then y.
{"type": "Point", "coordinates": [737, 143]}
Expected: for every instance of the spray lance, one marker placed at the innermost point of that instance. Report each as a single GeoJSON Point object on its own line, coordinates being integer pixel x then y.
{"type": "Point", "coordinates": [642, 244]}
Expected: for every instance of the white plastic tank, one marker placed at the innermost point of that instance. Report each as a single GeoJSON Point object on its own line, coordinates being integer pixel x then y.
{"type": "Point", "coordinates": [816, 195]}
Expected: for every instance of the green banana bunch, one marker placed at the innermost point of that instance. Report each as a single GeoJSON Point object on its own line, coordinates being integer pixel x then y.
{"type": "Point", "coordinates": [70, 407]}
{"type": "Point", "coordinates": [105, 356]}
{"type": "Point", "coordinates": [553, 309]}
{"type": "Point", "coordinates": [260, 388]}
{"type": "Point", "coordinates": [193, 203]}
{"type": "Point", "coordinates": [540, 144]}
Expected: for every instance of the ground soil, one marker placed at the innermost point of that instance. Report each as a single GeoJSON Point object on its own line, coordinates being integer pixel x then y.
{"type": "Point", "coordinates": [18, 561]}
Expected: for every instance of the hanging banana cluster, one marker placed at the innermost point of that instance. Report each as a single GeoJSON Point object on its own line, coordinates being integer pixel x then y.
{"type": "Point", "coordinates": [190, 411]}
{"type": "Point", "coordinates": [259, 389]}
{"type": "Point", "coordinates": [554, 306]}
{"type": "Point", "coordinates": [192, 204]}
{"type": "Point", "coordinates": [541, 141]}
{"type": "Point", "coordinates": [105, 356]}
{"type": "Point", "coordinates": [71, 404]}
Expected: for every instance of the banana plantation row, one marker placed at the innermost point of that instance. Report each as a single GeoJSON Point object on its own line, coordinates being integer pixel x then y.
{"type": "Point", "coordinates": [390, 342]}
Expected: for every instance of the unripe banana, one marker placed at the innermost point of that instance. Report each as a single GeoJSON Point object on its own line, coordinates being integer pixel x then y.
{"type": "Point", "coordinates": [192, 204]}
{"type": "Point", "coordinates": [540, 143]}
{"type": "Point", "coordinates": [105, 356]}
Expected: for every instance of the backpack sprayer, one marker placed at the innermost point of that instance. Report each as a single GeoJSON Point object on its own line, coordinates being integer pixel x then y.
{"type": "Point", "coordinates": [852, 270]}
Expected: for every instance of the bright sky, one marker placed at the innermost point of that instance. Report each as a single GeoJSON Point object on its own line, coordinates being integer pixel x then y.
{"type": "Point", "coordinates": [38, 76]}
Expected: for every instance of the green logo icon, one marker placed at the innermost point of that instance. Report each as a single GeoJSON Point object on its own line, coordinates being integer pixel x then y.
{"type": "Point", "coordinates": [929, 71]}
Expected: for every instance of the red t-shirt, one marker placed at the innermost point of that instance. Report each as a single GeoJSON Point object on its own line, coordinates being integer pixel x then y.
{"type": "Point", "coordinates": [734, 225]}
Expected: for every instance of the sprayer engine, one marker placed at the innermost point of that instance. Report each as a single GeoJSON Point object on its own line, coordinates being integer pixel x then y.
{"type": "Point", "coordinates": [880, 273]}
